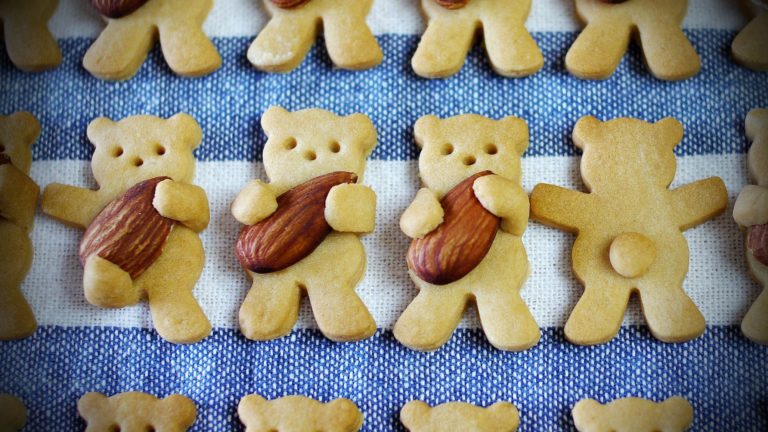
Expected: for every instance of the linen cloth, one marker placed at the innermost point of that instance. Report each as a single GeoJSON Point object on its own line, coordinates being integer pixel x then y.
{"type": "Point", "coordinates": [81, 348]}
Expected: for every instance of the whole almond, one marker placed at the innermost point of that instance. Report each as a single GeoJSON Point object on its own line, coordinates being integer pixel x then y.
{"type": "Point", "coordinates": [460, 243]}
{"type": "Point", "coordinates": [117, 8]}
{"type": "Point", "coordinates": [294, 230]}
{"type": "Point", "coordinates": [452, 4]}
{"type": "Point", "coordinates": [757, 242]}
{"type": "Point", "coordinates": [288, 4]}
{"type": "Point", "coordinates": [129, 232]}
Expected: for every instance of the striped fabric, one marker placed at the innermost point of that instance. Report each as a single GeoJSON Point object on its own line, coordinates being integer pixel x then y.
{"type": "Point", "coordinates": [80, 348]}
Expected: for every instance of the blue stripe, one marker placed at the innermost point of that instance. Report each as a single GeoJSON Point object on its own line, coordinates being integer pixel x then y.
{"type": "Point", "coordinates": [723, 375]}
{"type": "Point", "coordinates": [229, 103]}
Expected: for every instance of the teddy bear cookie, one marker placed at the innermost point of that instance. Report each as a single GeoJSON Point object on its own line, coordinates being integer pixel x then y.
{"type": "Point", "coordinates": [13, 413]}
{"type": "Point", "coordinates": [298, 414]}
{"type": "Point", "coordinates": [629, 228]}
{"type": "Point", "coordinates": [133, 27]}
{"type": "Point", "coordinates": [451, 29]}
{"type": "Point", "coordinates": [751, 212]}
{"type": "Point", "coordinates": [467, 224]}
{"type": "Point", "coordinates": [136, 411]}
{"type": "Point", "coordinates": [633, 415]}
{"type": "Point", "coordinates": [284, 42]}
{"type": "Point", "coordinates": [750, 47]}
{"type": "Point", "coordinates": [417, 416]}
{"type": "Point", "coordinates": [302, 228]}
{"type": "Point", "coordinates": [654, 23]}
{"type": "Point", "coordinates": [18, 199]}
{"type": "Point", "coordinates": [142, 225]}
{"type": "Point", "coordinates": [28, 41]}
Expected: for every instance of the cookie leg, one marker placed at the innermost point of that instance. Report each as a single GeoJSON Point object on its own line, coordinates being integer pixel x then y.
{"type": "Point", "coordinates": [270, 309]}
{"type": "Point", "coordinates": [29, 43]}
{"type": "Point", "coordinates": [669, 54]}
{"type": "Point", "coordinates": [429, 321]}
{"type": "Point", "coordinates": [750, 47]}
{"type": "Point", "coordinates": [671, 314]}
{"type": "Point", "coordinates": [598, 315]}
{"type": "Point", "coordinates": [107, 285]}
{"type": "Point", "coordinates": [120, 50]}
{"type": "Point", "coordinates": [283, 43]}
{"type": "Point", "coordinates": [511, 49]}
{"type": "Point", "coordinates": [187, 49]}
{"type": "Point", "coordinates": [506, 320]}
{"type": "Point", "coordinates": [16, 317]}
{"type": "Point", "coordinates": [598, 50]}
{"type": "Point", "coordinates": [755, 323]}
{"type": "Point", "coordinates": [176, 314]}
{"type": "Point", "coordinates": [350, 43]}
{"type": "Point", "coordinates": [443, 48]}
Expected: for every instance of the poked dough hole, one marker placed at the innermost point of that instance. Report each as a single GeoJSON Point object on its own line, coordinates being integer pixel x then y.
{"type": "Point", "coordinates": [290, 143]}
{"type": "Point", "coordinates": [469, 160]}
{"type": "Point", "coordinates": [447, 149]}
{"type": "Point", "coordinates": [310, 155]}
{"type": "Point", "coordinates": [335, 147]}
{"type": "Point", "coordinates": [491, 149]}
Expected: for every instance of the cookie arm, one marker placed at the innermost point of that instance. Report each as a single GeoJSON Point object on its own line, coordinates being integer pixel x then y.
{"type": "Point", "coordinates": [504, 199]}
{"type": "Point", "coordinates": [423, 215]}
{"type": "Point", "coordinates": [559, 207]}
{"type": "Point", "coordinates": [697, 202]}
{"type": "Point", "coordinates": [254, 203]}
{"type": "Point", "coordinates": [71, 205]}
{"type": "Point", "coordinates": [183, 202]}
{"type": "Point", "coordinates": [751, 206]}
{"type": "Point", "coordinates": [351, 208]}
{"type": "Point", "coordinates": [18, 196]}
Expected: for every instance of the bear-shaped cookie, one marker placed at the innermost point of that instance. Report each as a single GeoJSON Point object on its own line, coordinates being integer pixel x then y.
{"type": "Point", "coordinates": [136, 411]}
{"type": "Point", "coordinates": [633, 415]}
{"type": "Point", "coordinates": [284, 42]}
{"type": "Point", "coordinates": [450, 33]}
{"type": "Point", "coordinates": [302, 228]}
{"type": "Point", "coordinates": [13, 413]}
{"type": "Point", "coordinates": [123, 45]}
{"type": "Point", "coordinates": [467, 223]}
{"type": "Point", "coordinates": [750, 47]}
{"type": "Point", "coordinates": [609, 25]}
{"type": "Point", "coordinates": [298, 414]}
{"type": "Point", "coordinates": [417, 416]}
{"type": "Point", "coordinates": [142, 223]}
{"type": "Point", "coordinates": [751, 212]}
{"type": "Point", "coordinates": [18, 199]}
{"type": "Point", "coordinates": [28, 41]}
{"type": "Point", "coordinates": [630, 228]}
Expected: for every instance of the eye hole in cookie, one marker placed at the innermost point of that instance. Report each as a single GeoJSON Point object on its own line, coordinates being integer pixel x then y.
{"type": "Point", "coordinates": [310, 155]}
{"type": "Point", "coordinates": [290, 144]}
{"type": "Point", "coordinates": [117, 151]}
{"type": "Point", "coordinates": [335, 147]}
{"type": "Point", "coordinates": [2, 147]}
{"type": "Point", "coordinates": [446, 150]}
{"type": "Point", "coordinates": [491, 149]}
{"type": "Point", "coordinates": [138, 162]}
{"type": "Point", "coordinates": [149, 428]}
{"type": "Point", "coordinates": [469, 160]}
{"type": "Point", "coordinates": [114, 427]}
{"type": "Point", "coordinates": [159, 149]}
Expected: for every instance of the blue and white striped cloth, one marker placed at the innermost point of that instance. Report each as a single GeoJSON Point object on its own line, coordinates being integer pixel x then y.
{"type": "Point", "coordinates": [80, 348]}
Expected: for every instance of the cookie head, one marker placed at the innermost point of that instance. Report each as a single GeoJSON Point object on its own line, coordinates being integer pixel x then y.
{"type": "Point", "coordinates": [455, 148]}
{"type": "Point", "coordinates": [18, 133]}
{"type": "Point", "coordinates": [633, 150]}
{"type": "Point", "coordinates": [306, 144]}
{"type": "Point", "coordinates": [142, 147]}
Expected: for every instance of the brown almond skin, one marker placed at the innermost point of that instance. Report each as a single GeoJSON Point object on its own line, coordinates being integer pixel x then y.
{"type": "Point", "coordinates": [460, 243]}
{"type": "Point", "coordinates": [288, 4]}
{"type": "Point", "coordinates": [117, 8]}
{"type": "Point", "coordinates": [294, 230]}
{"type": "Point", "coordinates": [757, 242]}
{"type": "Point", "coordinates": [452, 4]}
{"type": "Point", "coordinates": [129, 232]}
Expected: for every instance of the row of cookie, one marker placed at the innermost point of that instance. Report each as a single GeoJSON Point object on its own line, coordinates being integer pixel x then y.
{"type": "Point", "coordinates": [136, 411]}
{"type": "Point", "coordinates": [281, 46]}
{"type": "Point", "coordinates": [142, 224]}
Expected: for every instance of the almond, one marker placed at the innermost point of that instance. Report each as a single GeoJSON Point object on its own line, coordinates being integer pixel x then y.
{"type": "Point", "coordinates": [452, 4]}
{"type": "Point", "coordinates": [288, 4]}
{"type": "Point", "coordinates": [757, 242]}
{"type": "Point", "coordinates": [460, 243]}
{"type": "Point", "coordinates": [117, 8]}
{"type": "Point", "coordinates": [294, 230]}
{"type": "Point", "coordinates": [129, 232]}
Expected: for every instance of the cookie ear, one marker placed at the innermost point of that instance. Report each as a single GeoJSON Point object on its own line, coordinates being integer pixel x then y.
{"type": "Point", "coordinates": [425, 127]}
{"type": "Point", "coordinates": [365, 130]}
{"type": "Point", "coordinates": [413, 411]}
{"type": "Point", "coordinates": [97, 130]}
{"type": "Point", "coordinates": [184, 409]}
{"type": "Point", "coordinates": [757, 123]}
{"type": "Point", "coordinates": [585, 410]}
{"type": "Point", "coordinates": [670, 130]}
{"type": "Point", "coordinates": [586, 130]}
{"type": "Point", "coordinates": [273, 115]}
{"type": "Point", "coordinates": [27, 124]}
{"type": "Point", "coordinates": [92, 404]}
{"type": "Point", "coordinates": [517, 128]}
{"type": "Point", "coordinates": [186, 129]}
{"type": "Point", "coordinates": [678, 411]}
{"type": "Point", "coordinates": [504, 413]}
{"type": "Point", "coordinates": [344, 413]}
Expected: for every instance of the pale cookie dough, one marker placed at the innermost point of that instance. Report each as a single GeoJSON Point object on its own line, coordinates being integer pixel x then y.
{"type": "Point", "coordinates": [417, 416]}
{"type": "Point", "coordinates": [453, 150]}
{"type": "Point", "coordinates": [28, 41]}
{"type": "Point", "coordinates": [136, 411]}
{"type": "Point", "coordinates": [284, 42]}
{"type": "Point", "coordinates": [654, 23]}
{"type": "Point", "coordinates": [750, 47]}
{"type": "Point", "coordinates": [127, 153]}
{"type": "Point", "coordinates": [450, 33]}
{"type": "Point", "coordinates": [18, 199]}
{"type": "Point", "coordinates": [124, 44]}
{"type": "Point", "coordinates": [302, 147]}
{"type": "Point", "coordinates": [630, 228]}
{"type": "Point", "coordinates": [298, 414]}
{"type": "Point", "coordinates": [751, 212]}
{"type": "Point", "coordinates": [633, 415]}
{"type": "Point", "coordinates": [13, 413]}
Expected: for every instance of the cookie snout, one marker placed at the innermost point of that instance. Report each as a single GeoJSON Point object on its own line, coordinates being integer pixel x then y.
{"type": "Point", "coordinates": [631, 254]}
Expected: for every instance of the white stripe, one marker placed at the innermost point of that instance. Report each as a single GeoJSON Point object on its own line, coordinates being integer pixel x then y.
{"type": "Point", "coordinates": [76, 18]}
{"type": "Point", "coordinates": [717, 279]}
